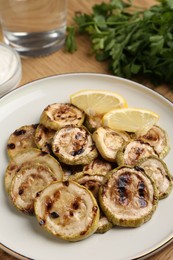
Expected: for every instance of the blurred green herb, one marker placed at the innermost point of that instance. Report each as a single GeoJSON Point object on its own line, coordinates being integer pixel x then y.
{"type": "Point", "coordinates": [70, 44]}
{"type": "Point", "coordinates": [134, 40]}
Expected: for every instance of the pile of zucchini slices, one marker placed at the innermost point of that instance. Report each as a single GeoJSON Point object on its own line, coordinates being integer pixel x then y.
{"type": "Point", "coordinates": [79, 179]}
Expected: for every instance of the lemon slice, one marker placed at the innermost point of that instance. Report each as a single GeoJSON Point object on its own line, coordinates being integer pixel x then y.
{"type": "Point", "coordinates": [97, 102]}
{"type": "Point", "coordinates": [134, 120]}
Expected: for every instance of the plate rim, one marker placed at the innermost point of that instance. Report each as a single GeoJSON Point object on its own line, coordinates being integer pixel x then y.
{"type": "Point", "coordinates": [27, 84]}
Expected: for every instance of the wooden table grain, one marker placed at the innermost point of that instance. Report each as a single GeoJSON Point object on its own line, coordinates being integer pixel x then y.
{"type": "Point", "coordinates": [62, 62]}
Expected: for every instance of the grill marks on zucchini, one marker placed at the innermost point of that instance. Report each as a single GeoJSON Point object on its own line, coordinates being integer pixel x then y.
{"type": "Point", "coordinates": [98, 166]}
{"type": "Point", "coordinates": [125, 185]}
{"type": "Point", "coordinates": [43, 138]}
{"type": "Point", "coordinates": [27, 183]}
{"type": "Point", "coordinates": [74, 146]}
{"type": "Point", "coordinates": [57, 115]}
{"type": "Point", "coordinates": [75, 211]}
{"type": "Point", "coordinates": [158, 139]}
{"type": "Point", "coordinates": [91, 194]}
{"type": "Point", "coordinates": [121, 184]}
{"type": "Point", "coordinates": [160, 174]}
{"type": "Point", "coordinates": [134, 151]}
{"type": "Point", "coordinates": [93, 183]}
{"type": "Point", "coordinates": [21, 139]}
{"type": "Point", "coordinates": [29, 157]}
{"type": "Point", "coordinates": [109, 141]}
{"type": "Point", "coordinates": [128, 197]}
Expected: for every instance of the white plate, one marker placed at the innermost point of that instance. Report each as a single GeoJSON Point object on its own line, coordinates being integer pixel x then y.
{"type": "Point", "coordinates": [21, 235]}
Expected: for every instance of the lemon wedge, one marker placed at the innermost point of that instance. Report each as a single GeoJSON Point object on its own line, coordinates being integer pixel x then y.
{"type": "Point", "coordinates": [134, 120]}
{"type": "Point", "coordinates": [97, 102]}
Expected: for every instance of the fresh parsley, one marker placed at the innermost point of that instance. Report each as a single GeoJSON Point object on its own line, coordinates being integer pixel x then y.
{"type": "Point", "coordinates": [134, 40]}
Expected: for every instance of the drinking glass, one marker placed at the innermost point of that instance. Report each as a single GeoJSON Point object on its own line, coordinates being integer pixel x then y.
{"type": "Point", "coordinates": [33, 27]}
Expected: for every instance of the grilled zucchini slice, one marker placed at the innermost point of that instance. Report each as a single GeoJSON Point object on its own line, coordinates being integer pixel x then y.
{"type": "Point", "coordinates": [58, 115]}
{"type": "Point", "coordinates": [128, 196]}
{"type": "Point", "coordinates": [104, 224]}
{"type": "Point", "coordinates": [27, 183]}
{"type": "Point", "coordinates": [93, 183]}
{"type": "Point", "coordinates": [74, 145]}
{"type": "Point", "coordinates": [109, 141]}
{"type": "Point", "coordinates": [134, 151]}
{"type": "Point", "coordinates": [30, 156]}
{"type": "Point", "coordinates": [92, 123]}
{"type": "Point", "coordinates": [98, 166]}
{"type": "Point", "coordinates": [21, 139]}
{"type": "Point", "coordinates": [43, 138]}
{"type": "Point", "coordinates": [158, 171]}
{"type": "Point", "coordinates": [158, 138]}
{"type": "Point", "coordinates": [67, 210]}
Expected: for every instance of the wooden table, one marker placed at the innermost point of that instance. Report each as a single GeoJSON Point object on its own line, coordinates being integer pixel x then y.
{"type": "Point", "coordinates": [62, 62]}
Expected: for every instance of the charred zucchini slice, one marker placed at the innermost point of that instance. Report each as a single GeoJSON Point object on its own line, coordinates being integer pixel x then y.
{"type": "Point", "coordinates": [22, 138]}
{"type": "Point", "coordinates": [109, 141]}
{"type": "Point", "coordinates": [71, 170]}
{"type": "Point", "coordinates": [158, 138]}
{"type": "Point", "coordinates": [27, 183]}
{"type": "Point", "coordinates": [92, 123]}
{"type": "Point", "coordinates": [98, 166]}
{"type": "Point", "coordinates": [43, 138]}
{"type": "Point", "coordinates": [30, 156]}
{"type": "Point", "coordinates": [134, 151]}
{"type": "Point", "coordinates": [67, 210]}
{"type": "Point", "coordinates": [128, 196]}
{"type": "Point", "coordinates": [104, 224]}
{"type": "Point", "coordinates": [58, 115]}
{"type": "Point", "coordinates": [93, 183]}
{"type": "Point", "coordinates": [74, 145]}
{"type": "Point", "coordinates": [158, 171]}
